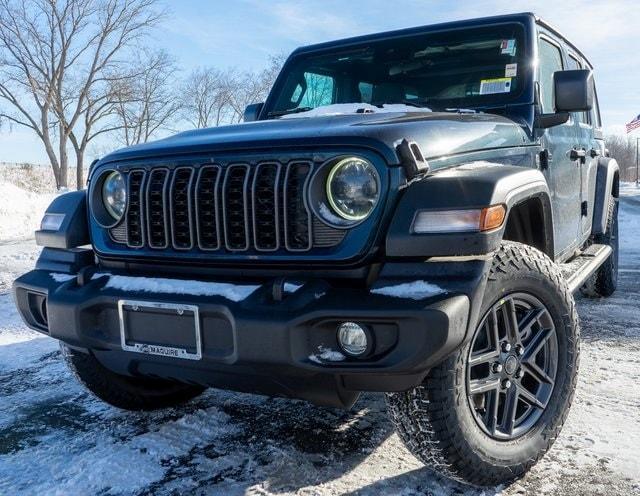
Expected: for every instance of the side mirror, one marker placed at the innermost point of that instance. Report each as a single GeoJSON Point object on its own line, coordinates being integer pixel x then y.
{"type": "Point", "coordinates": [252, 112]}
{"type": "Point", "coordinates": [573, 90]}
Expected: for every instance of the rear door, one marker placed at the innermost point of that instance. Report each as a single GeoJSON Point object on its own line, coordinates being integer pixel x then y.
{"type": "Point", "coordinates": [563, 174]}
{"type": "Point", "coordinates": [585, 129]}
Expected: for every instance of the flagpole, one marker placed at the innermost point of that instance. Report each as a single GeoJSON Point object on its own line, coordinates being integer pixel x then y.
{"type": "Point", "coordinates": [637, 168]}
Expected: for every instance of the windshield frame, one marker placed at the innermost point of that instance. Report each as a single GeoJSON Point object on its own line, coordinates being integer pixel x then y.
{"type": "Point", "coordinates": [525, 95]}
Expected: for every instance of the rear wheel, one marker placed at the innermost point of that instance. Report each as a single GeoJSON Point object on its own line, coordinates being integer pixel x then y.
{"type": "Point", "coordinates": [128, 393]}
{"type": "Point", "coordinates": [493, 408]}
{"type": "Point", "coordinates": [605, 281]}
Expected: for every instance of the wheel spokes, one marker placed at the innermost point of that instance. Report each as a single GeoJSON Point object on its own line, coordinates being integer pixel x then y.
{"type": "Point", "coordinates": [525, 325]}
{"type": "Point", "coordinates": [479, 386]}
{"type": "Point", "coordinates": [510, 320]}
{"type": "Point", "coordinates": [509, 410]}
{"type": "Point", "coordinates": [491, 414]}
{"type": "Point", "coordinates": [530, 398]}
{"type": "Point", "coordinates": [536, 343]}
{"type": "Point", "coordinates": [483, 357]}
{"type": "Point", "coordinates": [536, 373]}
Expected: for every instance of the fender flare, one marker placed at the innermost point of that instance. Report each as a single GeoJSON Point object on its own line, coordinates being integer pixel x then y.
{"type": "Point", "coordinates": [607, 184]}
{"type": "Point", "coordinates": [474, 185]}
{"type": "Point", "coordinates": [74, 229]}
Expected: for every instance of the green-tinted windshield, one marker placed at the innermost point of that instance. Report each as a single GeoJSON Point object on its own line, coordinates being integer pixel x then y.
{"type": "Point", "coordinates": [452, 69]}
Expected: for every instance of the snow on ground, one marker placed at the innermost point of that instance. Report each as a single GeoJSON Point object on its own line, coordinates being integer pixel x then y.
{"type": "Point", "coordinates": [55, 438]}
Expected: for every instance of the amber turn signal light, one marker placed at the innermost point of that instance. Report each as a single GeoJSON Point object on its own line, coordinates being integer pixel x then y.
{"type": "Point", "coordinates": [492, 217]}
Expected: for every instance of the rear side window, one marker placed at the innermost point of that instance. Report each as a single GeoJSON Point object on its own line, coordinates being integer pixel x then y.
{"type": "Point", "coordinates": [595, 111]}
{"type": "Point", "coordinates": [549, 61]}
{"type": "Point", "coordinates": [572, 64]}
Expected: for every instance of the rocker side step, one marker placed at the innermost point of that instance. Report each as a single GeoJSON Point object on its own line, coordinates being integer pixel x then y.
{"type": "Point", "coordinates": [580, 268]}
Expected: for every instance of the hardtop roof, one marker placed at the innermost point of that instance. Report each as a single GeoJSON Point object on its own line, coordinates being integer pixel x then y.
{"type": "Point", "coordinates": [479, 21]}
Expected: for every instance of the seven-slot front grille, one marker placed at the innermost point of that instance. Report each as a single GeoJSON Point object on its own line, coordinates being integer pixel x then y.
{"type": "Point", "coordinates": [236, 208]}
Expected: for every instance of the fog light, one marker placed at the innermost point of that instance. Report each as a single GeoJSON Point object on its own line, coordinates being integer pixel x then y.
{"type": "Point", "coordinates": [353, 338]}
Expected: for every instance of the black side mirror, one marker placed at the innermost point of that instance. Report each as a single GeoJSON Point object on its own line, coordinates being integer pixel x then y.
{"type": "Point", "coordinates": [252, 112]}
{"type": "Point", "coordinates": [573, 90]}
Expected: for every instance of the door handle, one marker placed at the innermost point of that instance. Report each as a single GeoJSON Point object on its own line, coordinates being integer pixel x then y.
{"type": "Point", "coordinates": [576, 154]}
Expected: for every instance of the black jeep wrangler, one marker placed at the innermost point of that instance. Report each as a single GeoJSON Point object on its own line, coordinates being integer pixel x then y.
{"type": "Point", "coordinates": [409, 213]}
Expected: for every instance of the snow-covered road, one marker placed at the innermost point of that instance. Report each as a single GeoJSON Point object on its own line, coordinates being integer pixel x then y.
{"type": "Point", "coordinates": [57, 439]}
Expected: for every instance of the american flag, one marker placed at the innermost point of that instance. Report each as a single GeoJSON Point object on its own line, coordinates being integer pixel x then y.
{"type": "Point", "coordinates": [634, 124]}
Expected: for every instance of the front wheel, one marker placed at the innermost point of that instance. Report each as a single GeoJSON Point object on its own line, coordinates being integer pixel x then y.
{"type": "Point", "coordinates": [128, 393]}
{"type": "Point", "coordinates": [493, 408]}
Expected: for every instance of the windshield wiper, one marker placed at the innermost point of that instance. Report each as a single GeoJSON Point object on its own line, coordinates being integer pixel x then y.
{"type": "Point", "coordinates": [297, 110]}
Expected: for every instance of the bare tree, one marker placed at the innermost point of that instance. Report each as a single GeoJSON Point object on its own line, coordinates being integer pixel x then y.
{"type": "Point", "coordinates": [254, 87]}
{"type": "Point", "coordinates": [147, 102]}
{"type": "Point", "coordinates": [56, 61]}
{"type": "Point", "coordinates": [624, 150]}
{"type": "Point", "coordinates": [206, 97]}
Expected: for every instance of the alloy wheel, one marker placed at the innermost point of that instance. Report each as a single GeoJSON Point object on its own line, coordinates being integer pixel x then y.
{"type": "Point", "coordinates": [512, 365]}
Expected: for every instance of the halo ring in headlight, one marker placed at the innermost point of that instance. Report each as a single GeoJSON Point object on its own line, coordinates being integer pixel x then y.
{"type": "Point", "coordinates": [353, 188]}
{"type": "Point", "coordinates": [114, 195]}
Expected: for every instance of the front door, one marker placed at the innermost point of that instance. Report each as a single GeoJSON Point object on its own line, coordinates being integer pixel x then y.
{"type": "Point", "coordinates": [587, 142]}
{"type": "Point", "coordinates": [563, 173]}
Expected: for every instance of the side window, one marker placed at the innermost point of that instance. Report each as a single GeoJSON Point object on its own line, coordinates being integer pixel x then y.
{"type": "Point", "coordinates": [572, 64]}
{"type": "Point", "coordinates": [595, 111]}
{"type": "Point", "coordinates": [366, 92]}
{"type": "Point", "coordinates": [549, 61]}
{"type": "Point", "coordinates": [320, 90]}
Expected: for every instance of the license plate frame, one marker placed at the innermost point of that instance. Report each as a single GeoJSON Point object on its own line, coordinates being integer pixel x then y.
{"type": "Point", "coordinates": [165, 350]}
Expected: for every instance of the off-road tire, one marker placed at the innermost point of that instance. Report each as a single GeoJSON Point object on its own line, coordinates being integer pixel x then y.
{"type": "Point", "coordinates": [128, 393]}
{"type": "Point", "coordinates": [435, 421]}
{"type": "Point", "coordinates": [605, 281]}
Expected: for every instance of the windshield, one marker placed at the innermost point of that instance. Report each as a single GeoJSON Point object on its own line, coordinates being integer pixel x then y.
{"type": "Point", "coordinates": [454, 69]}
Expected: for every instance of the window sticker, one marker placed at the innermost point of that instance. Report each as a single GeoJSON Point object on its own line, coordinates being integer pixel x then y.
{"type": "Point", "coordinates": [497, 85]}
{"type": "Point", "coordinates": [511, 70]}
{"type": "Point", "coordinates": [508, 47]}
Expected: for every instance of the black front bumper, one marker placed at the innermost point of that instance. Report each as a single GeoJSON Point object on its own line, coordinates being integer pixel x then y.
{"type": "Point", "coordinates": [263, 344]}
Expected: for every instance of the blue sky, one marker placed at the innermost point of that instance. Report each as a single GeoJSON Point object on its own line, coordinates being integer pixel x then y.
{"type": "Point", "coordinates": [243, 33]}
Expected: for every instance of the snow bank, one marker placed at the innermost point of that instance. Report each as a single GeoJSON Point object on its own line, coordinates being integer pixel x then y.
{"type": "Point", "coordinates": [232, 292]}
{"type": "Point", "coordinates": [20, 211]}
{"type": "Point", "coordinates": [629, 189]}
{"type": "Point", "coordinates": [353, 108]}
{"type": "Point", "coordinates": [416, 290]}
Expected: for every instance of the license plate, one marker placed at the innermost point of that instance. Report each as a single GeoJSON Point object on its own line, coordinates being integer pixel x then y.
{"type": "Point", "coordinates": [178, 336]}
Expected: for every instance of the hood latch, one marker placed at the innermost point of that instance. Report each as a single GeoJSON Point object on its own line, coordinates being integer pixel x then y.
{"type": "Point", "coordinates": [411, 159]}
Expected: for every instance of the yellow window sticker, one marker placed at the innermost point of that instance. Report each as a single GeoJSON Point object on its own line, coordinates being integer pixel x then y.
{"type": "Point", "coordinates": [497, 85]}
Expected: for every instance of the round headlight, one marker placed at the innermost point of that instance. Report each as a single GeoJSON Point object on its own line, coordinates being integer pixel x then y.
{"type": "Point", "coordinates": [114, 195]}
{"type": "Point", "coordinates": [353, 188]}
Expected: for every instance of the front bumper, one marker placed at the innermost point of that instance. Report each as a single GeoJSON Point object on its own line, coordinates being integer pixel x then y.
{"type": "Point", "coordinates": [260, 343]}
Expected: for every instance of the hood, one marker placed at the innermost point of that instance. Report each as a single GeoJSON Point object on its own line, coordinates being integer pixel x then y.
{"type": "Point", "coordinates": [437, 133]}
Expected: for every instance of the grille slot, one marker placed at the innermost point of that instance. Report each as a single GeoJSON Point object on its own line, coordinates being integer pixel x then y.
{"type": "Point", "coordinates": [265, 192]}
{"type": "Point", "coordinates": [133, 219]}
{"type": "Point", "coordinates": [181, 228]}
{"type": "Point", "coordinates": [297, 231]}
{"type": "Point", "coordinates": [234, 207]}
{"type": "Point", "coordinates": [206, 207]}
{"type": "Point", "coordinates": [157, 219]}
